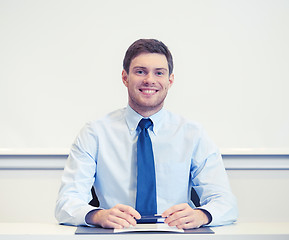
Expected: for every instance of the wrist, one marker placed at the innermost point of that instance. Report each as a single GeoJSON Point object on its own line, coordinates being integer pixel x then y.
{"type": "Point", "coordinates": [91, 217]}
{"type": "Point", "coordinates": [207, 216]}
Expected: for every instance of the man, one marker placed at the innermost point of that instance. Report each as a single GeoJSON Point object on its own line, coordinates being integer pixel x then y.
{"type": "Point", "coordinates": [105, 153]}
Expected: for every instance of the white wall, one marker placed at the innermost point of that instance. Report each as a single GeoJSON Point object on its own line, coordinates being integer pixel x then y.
{"type": "Point", "coordinates": [28, 196]}
{"type": "Point", "coordinates": [61, 65]}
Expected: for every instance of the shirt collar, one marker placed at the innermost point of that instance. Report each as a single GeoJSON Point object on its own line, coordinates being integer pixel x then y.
{"type": "Point", "coordinates": [133, 118]}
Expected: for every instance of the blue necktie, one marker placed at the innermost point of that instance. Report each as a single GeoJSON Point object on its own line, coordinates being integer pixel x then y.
{"type": "Point", "coordinates": [146, 202]}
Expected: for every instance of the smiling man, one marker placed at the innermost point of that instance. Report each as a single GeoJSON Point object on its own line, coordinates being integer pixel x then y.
{"type": "Point", "coordinates": [143, 159]}
{"type": "Point", "coordinates": [148, 80]}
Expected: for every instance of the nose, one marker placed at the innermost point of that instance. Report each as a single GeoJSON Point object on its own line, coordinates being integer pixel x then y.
{"type": "Point", "coordinates": [149, 79]}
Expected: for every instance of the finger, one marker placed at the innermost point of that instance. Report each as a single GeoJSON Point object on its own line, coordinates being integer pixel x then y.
{"type": "Point", "coordinates": [194, 219]}
{"type": "Point", "coordinates": [117, 222]}
{"type": "Point", "coordinates": [127, 217]}
{"type": "Point", "coordinates": [178, 218]}
{"type": "Point", "coordinates": [180, 221]}
{"type": "Point", "coordinates": [183, 212]}
{"type": "Point", "coordinates": [125, 212]}
{"type": "Point", "coordinates": [128, 210]}
{"type": "Point", "coordinates": [189, 225]}
{"type": "Point", "coordinates": [174, 209]}
{"type": "Point", "coordinates": [109, 224]}
{"type": "Point", "coordinates": [106, 219]}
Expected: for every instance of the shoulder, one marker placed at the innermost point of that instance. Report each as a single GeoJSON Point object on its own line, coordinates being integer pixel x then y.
{"type": "Point", "coordinates": [109, 118]}
{"type": "Point", "coordinates": [105, 122]}
{"type": "Point", "coordinates": [203, 145]}
{"type": "Point", "coordinates": [182, 122]}
{"type": "Point", "coordinates": [190, 132]}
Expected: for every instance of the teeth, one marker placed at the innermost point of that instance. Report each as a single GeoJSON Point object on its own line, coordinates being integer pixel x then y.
{"type": "Point", "coordinates": [148, 91]}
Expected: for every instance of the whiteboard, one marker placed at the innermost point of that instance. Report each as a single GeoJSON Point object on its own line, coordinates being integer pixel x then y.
{"type": "Point", "coordinates": [61, 63]}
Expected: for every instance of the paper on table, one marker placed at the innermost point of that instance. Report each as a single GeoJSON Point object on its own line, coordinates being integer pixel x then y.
{"type": "Point", "coordinates": [159, 227]}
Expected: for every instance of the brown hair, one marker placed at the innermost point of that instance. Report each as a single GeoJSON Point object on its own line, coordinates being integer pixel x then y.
{"type": "Point", "coordinates": [147, 46]}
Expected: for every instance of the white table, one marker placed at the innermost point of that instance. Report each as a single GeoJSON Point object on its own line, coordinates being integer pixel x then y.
{"type": "Point", "coordinates": [45, 231]}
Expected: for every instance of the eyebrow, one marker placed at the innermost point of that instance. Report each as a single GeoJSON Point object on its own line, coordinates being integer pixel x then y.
{"type": "Point", "coordinates": [164, 69]}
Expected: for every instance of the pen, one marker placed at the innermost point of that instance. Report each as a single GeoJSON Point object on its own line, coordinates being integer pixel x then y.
{"type": "Point", "coordinates": [151, 219]}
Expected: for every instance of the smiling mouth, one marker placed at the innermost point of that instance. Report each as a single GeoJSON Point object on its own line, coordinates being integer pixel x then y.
{"type": "Point", "coordinates": [148, 91]}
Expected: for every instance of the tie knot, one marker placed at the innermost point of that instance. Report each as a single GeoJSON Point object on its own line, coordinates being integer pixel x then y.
{"type": "Point", "coordinates": [145, 123]}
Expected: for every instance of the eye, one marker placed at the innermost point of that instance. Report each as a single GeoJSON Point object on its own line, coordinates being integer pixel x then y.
{"type": "Point", "coordinates": [159, 73]}
{"type": "Point", "coordinates": [139, 72]}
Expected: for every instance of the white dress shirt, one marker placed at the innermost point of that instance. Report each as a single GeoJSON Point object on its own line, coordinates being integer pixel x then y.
{"type": "Point", "coordinates": [104, 156]}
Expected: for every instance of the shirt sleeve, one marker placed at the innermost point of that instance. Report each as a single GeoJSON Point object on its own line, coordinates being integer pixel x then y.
{"type": "Point", "coordinates": [77, 180]}
{"type": "Point", "coordinates": [210, 181]}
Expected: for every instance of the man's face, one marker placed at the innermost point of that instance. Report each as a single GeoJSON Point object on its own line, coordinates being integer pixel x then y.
{"type": "Point", "coordinates": [148, 83]}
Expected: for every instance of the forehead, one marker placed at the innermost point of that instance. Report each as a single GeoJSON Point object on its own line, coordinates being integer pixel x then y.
{"type": "Point", "coordinates": [150, 60]}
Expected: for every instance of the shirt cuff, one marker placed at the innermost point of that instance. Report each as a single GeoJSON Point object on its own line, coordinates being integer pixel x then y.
{"type": "Point", "coordinates": [93, 210]}
{"type": "Point", "coordinates": [80, 215]}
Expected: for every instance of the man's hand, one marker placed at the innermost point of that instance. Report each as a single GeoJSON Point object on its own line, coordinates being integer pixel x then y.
{"type": "Point", "coordinates": [119, 216]}
{"type": "Point", "coordinates": [185, 217]}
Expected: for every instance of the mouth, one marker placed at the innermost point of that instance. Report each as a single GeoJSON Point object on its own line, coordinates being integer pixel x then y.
{"type": "Point", "coordinates": [148, 91]}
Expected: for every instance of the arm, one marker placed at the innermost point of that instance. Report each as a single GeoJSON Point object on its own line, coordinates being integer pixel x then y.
{"type": "Point", "coordinates": [212, 185]}
{"type": "Point", "coordinates": [77, 180]}
{"type": "Point", "coordinates": [210, 181]}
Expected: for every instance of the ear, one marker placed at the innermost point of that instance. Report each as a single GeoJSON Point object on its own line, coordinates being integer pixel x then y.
{"type": "Point", "coordinates": [124, 76]}
{"type": "Point", "coordinates": [171, 80]}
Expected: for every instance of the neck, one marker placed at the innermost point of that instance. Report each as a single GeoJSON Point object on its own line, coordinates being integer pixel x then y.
{"type": "Point", "coordinates": [146, 111]}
